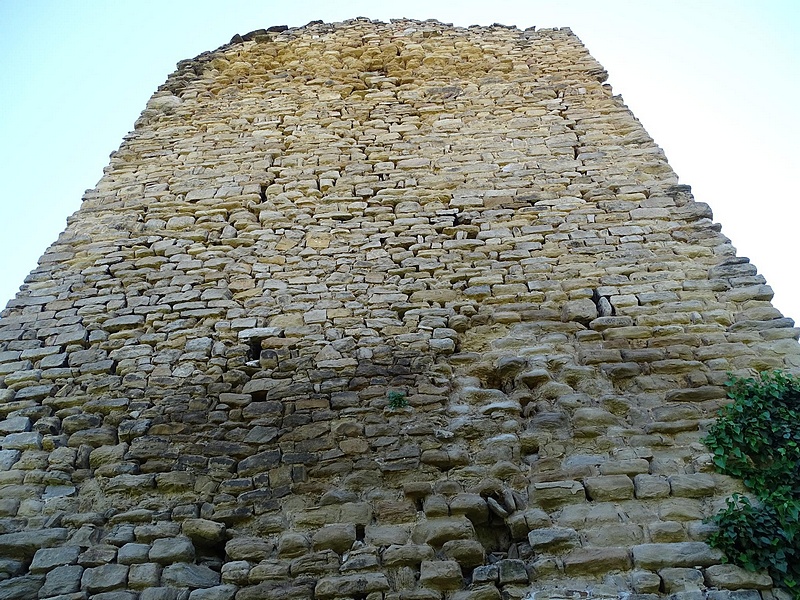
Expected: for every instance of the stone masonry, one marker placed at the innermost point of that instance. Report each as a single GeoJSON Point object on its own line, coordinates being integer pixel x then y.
{"type": "Point", "coordinates": [379, 311]}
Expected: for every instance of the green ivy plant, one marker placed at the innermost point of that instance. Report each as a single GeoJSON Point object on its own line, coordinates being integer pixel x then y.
{"type": "Point", "coordinates": [397, 400]}
{"type": "Point", "coordinates": [757, 439]}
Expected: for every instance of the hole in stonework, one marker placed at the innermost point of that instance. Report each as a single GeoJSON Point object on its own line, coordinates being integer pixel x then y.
{"type": "Point", "coordinates": [360, 532]}
{"type": "Point", "coordinates": [263, 193]}
{"type": "Point", "coordinates": [494, 536]}
{"type": "Point", "coordinates": [254, 351]}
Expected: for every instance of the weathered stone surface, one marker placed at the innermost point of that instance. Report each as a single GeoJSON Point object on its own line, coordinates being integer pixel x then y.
{"type": "Point", "coordinates": [187, 575]}
{"type": "Point", "coordinates": [64, 579]}
{"type": "Point", "coordinates": [438, 531]}
{"type": "Point", "coordinates": [351, 585]}
{"type": "Point", "coordinates": [46, 559]}
{"type": "Point", "coordinates": [677, 580]}
{"type": "Point", "coordinates": [219, 592]}
{"type": "Point", "coordinates": [203, 531]}
{"type": "Point", "coordinates": [683, 554]}
{"type": "Point", "coordinates": [595, 561]}
{"type": "Point", "coordinates": [609, 487]}
{"type": "Point", "coordinates": [440, 574]}
{"type": "Point", "coordinates": [25, 543]}
{"type": "Point", "coordinates": [170, 550]}
{"type": "Point", "coordinates": [248, 548]}
{"type": "Point", "coordinates": [377, 309]}
{"type": "Point", "coordinates": [21, 588]}
{"type": "Point", "coordinates": [731, 577]}
{"type": "Point", "coordinates": [104, 578]}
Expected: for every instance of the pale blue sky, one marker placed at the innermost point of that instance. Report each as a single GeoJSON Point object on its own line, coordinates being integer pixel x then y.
{"type": "Point", "coordinates": [716, 83]}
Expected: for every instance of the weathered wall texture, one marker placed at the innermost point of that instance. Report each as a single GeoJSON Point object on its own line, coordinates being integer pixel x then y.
{"type": "Point", "coordinates": [307, 223]}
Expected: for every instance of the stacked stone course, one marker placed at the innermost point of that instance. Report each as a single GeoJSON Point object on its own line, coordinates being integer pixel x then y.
{"type": "Point", "coordinates": [195, 382]}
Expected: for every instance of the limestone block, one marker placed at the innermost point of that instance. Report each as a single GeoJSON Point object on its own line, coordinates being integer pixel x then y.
{"type": "Point", "coordinates": [248, 548]}
{"type": "Point", "coordinates": [406, 555]}
{"type": "Point", "coordinates": [467, 553]}
{"type": "Point", "coordinates": [645, 582]}
{"type": "Point", "coordinates": [596, 561]}
{"type": "Point", "coordinates": [696, 485]}
{"type": "Point", "coordinates": [440, 574]}
{"type": "Point", "coordinates": [96, 554]}
{"type": "Point", "coordinates": [187, 575]}
{"type": "Point", "coordinates": [293, 544]}
{"type": "Point", "coordinates": [235, 572]}
{"type": "Point", "coordinates": [169, 550]}
{"type": "Point", "coordinates": [583, 311]}
{"type": "Point", "coordinates": [472, 506]}
{"type": "Point", "coordinates": [19, 588]}
{"type": "Point", "coordinates": [142, 576]}
{"type": "Point", "coordinates": [553, 539]}
{"type": "Point", "coordinates": [159, 593]}
{"type": "Point", "coordinates": [386, 535]}
{"type": "Point", "coordinates": [551, 495]}
{"type": "Point", "coordinates": [315, 563]}
{"type": "Point", "coordinates": [731, 577]}
{"type": "Point", "coordinates": [438, 531]}
{"type": "Point", "coordinates": [64, 579]}
{"type": "Point", "coordinates": [133, 553]}
{"type": "Point", "coordinates": [512, 571]}
{"type": "Point", "coordinates": [677, 579]}
{"type": "Point", "coordinates": [681, 554]}
{"type": "Point", "coordinates": [351, 585]}
{"type": "Point", "coordinates": [104, 578]}
{"type": "Point", "coordinates": [478, 592]}
{"type": "Point", "coordinates": [338, 537]}
{"type": "Point", "coordinates": [25, 544]}
{"type": "Point", "coordinates": [218, 592]}
{"type": "Point", "coordinates": [651, 486]}
{"type": "Point", "coordinates": [49, 558]}
{"type": "Point", "coordinates": [609, 487]}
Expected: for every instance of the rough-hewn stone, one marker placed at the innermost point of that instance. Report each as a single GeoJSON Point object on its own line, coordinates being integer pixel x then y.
{"type": "Point", "coordinates": [378, 309]}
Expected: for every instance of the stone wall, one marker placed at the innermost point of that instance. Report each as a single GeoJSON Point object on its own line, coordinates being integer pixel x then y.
{"type": "Point", "coordinates": [378, 311]}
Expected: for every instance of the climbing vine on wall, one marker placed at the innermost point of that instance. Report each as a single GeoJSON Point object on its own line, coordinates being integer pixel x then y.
{"type": "Point", "coordinates": [757, 438]}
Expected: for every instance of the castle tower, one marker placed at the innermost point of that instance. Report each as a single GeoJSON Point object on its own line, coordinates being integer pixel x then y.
{"type": "Point", "coordinates": [378, 311]}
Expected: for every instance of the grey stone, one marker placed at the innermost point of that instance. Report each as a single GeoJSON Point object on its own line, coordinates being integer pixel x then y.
{"type": "Point", "coordinates": [731, 577]}
{"type": "Point", "coordinates": [248, 548]}
{"type": "Point", "coordinates": [235, 572]}
{"type": "Point", "coordinates": [203, 531]}
{"type": "Point", "coordinates": [486, 574]}
{"type": "Point", "coordinates": [219, 592]}
{"type": "Point", "coordinates": [350, 585]}
{"type": "Point", "coordinates": [15, 425]}
{"type": "Point", "coordinates": [467, 553]}
{"type": "Point", "coordinates": [62, 580]}
{"type": "Point", "coordinates": [104, 578]}
{"type": "Point", "coordinates": [8, 458]}
{"type": "Point", "coordinates": [142, 576]}
{"type": "Point", "coordinates": [682, 554]}
{"type": "Point", "coordinates": [48, 558]}
{"type": "Point", "coordinates": [438, 531]}
{"type": "Point", "coordinates": [186, 575]}
{"type": "Point", "coordinates": [338, 537]}
{"type": "Point", "coordinates": [21, 588]}
{"type": "Point", "coordinates": [553, 539]}
{"type": "Point", "coordinates": [171, 550]}
{"type": "Point", "coordinates": [440, 574]}
{"type": "Point", "coordinates": [406, 555]}
{"type": "Point", "coordinates": [159, 593]}
{"type": "Point", "coordinates": [512, 571]}
{"type": "Point", "coordinates": [678, 579]}
{"type": "Point", "coordinates": [24, 544]}
{"type": "Point", "coordinates": [29, 440]}
{"type": "Point", "coordinates": [132, 553]}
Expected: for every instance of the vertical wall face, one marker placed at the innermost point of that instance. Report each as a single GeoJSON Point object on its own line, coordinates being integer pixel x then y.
{"type": "Point", "coordinates": [377, 311]}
